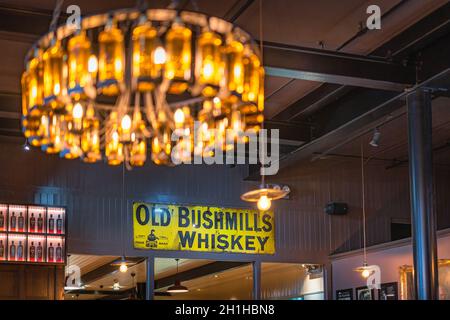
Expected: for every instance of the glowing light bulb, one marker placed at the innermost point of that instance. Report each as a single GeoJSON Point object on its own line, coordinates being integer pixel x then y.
{"type": "Point", "coordinates": [179, 116]}
{"type": "Point", "coordinates": [92, 64]}
{"type": "Point", "coordinates": [160, 56]}
{"type": "Point", "coordinates": [126, 123]}
{"type": "Point", "coordinates": [123, 267]}
{"type": "Point", "coordinates": [264, 203]}
{"type": "Point", "coordinates": [365, 273]}
{"type": "Point", "coordinates": [77, 111]}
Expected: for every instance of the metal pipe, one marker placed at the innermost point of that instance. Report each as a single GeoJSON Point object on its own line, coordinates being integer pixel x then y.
{"type": "Point", "coordinates": [421, 194]}
{"type": "Point", "coordinates": [150, 281]}
{"type": "Point", "coordinates": [257, 280]}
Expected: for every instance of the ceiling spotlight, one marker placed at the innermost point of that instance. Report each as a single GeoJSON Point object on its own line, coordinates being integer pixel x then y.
{"type": "Point", "coordinates": [375, 138]}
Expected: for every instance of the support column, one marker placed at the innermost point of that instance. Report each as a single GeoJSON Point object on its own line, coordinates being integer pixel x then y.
{"type": "Point", "coordinates": [327, 281]}
{"type": "Point", "coordinates": [257, 280]}
{"type": "Point", "coordinates": [421, 194]}
{"type": "Point", "coordinates": [150, 282]}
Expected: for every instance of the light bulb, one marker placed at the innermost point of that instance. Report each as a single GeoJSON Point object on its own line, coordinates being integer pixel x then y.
{"type": "Point", "coordinates": [126, 123]}
{"type": "Point", "coordinates": [365, 273]}
{"type": "Point", "coordinates": [92, 64]}
{"type": "Point", "coordinates": [123, 267]}
{"type": "Point", "coordinates": [264, 203]}
{"type": "Point", "coordinates": [77, 111]}
{"type": "Point", "coordinates": [159, 56]}
{"type": "Point", "coordinates": [179, 116]}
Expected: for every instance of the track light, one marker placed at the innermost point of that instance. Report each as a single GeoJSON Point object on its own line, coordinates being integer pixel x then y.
{"type": "Point", "coordinates": [375, 138]}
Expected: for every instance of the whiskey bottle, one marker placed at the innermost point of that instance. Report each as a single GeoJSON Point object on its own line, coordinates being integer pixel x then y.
{"type": "Point", "coordinates": [20, 251]}
{"type": "Point", "coordinates": [40, 223]}
{"type": "Point", "coordinates": [21, 222]}
{"type": "Point", "coordinates": [59, 224]}
{"type": "Point", "coordinates": [51, 253]}
{"type": "Point", "coordinates": [39, 252]}
{"type": "Point", "coordinates": [12, 223]}
{"type": "Point", "coordinates": [58, 253]}
{"type": "Point", "coordinates": [12, 251]}
{"type": "Point", "coordinates": [32, 252]}
{"type": "Point", "coordinates": [32, 223]}
{"type": "Point", "coordinates": [2, 250]}
{"type": "Point", "coordinates": [2, 220]}
{"type": "Point", "coordinates": [51, 224]}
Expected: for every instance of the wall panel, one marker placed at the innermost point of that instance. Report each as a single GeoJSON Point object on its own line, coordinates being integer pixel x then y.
{"type": "Point", "coordinates": [304, 233]}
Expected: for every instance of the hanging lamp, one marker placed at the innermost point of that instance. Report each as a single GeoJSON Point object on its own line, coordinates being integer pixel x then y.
{"type": "Point", "coordinates": [177, 287]}
{"type": "Point", "coordinates": [123, 263]}
{"type": "Point", "coordinates": [365, 270]}
{"type": "Point", "coordinates": [266, 193]}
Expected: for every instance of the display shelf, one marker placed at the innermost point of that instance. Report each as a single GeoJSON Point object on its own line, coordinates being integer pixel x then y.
{"type": "Point", "coordinates": [36, 219]}
{"type": "Point", "coordinates": [3, 246]}
{"type": "Point", "coordinates": [17, 247]}
{"type": "Point", "coordinates": [55, 220]}
{"type": "Point", "coordinates": [36, 248]}
{"type": "Point", "coordinates": [32, 234]}
{"type": "Point", "coordinates": [3, 217]}
{"type": "Point", "coordinates": [17, 217]}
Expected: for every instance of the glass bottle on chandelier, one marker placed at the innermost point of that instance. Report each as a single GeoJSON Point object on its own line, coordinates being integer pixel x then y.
{"type": "Point", "coordinates": [53, 59]}
{"type": "Point", "coordinates": [208, 66]}
{"type": "Point", "coordinates": [251, 77]}
{"type": "Point", "coordinates": [36, 85]}
{"type": "Point", "coordinates": [178, 64]}
{"type": "Point", "coordinates": [114, 148]}
{"type": "Point", "coordinates": [90, 138]}
{"type": "Point", "coordinates": [54, 134]}
{"type": "Point", "coordinates": [234, 70]}
{"type": "Point", "coordinates": [148, 56]}
{"type": "Point", "coordinates": [111, 60]}
{"type": "Point", "coordinates": [82, 70]}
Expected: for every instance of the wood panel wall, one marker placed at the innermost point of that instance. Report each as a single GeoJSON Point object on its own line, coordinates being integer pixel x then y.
{"type": "Point", "coordinates": [26, 282]}
{"type": "Point", "coordinates": [304, 233]}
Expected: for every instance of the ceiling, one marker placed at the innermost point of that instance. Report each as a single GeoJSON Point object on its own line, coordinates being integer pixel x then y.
{"type": "Point", "coordinates": [279, 280]}
{"type": "Point", "coordinates": [332, 25]}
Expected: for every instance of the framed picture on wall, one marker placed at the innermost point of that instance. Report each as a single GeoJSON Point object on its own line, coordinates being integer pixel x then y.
{"type": "Point", "coordinates": [389, 291]}
{"type": "Point", "coordinates": [364, 293]}
{"type": "Point", "coordinates": [345, 294]}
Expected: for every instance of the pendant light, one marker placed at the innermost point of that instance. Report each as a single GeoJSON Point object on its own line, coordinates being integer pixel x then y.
{"type": "Point", "coordinates": [265, 194]}
{"type": "Point", "coordinates": [364, 270]}
{"type": "Point", "coordinates": [177, 287]}
{"type": "Point", "coordinates": [123, 263]}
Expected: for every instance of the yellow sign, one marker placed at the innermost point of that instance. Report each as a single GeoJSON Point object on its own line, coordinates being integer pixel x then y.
{"type": "Point", "coordinates": [200, 228]}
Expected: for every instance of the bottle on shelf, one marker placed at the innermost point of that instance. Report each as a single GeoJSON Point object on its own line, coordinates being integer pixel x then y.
{"type": "Point", "coordinates": [51, 224]}
{"type": "Point", "coordinates": [12, 251]}
{"type": "Point", "coordinates": [58, 253]}
{"type": "Point", "coordinates": [32, 252]}
{"type": "Point", "coordinates": [20, 251]}
{"type": "Point", "coordinates": [32, 223]}
{"type": "Point", "coordinates": [2, 250]}
{"type": "Point", "coordinates": [2, 220]}
{"type": "Point", "coordinates": [39, 252]}
{"type": "Point", "coordinates": [40, 223]}
{"type": "Point", "coordinates": [12, 223]}
{"type": "Point", "coordinates": [59, 224]}
{"type": "Point", "coordinates": [51, 253]}
{"type": "Point", "coordinates": [21, 222]}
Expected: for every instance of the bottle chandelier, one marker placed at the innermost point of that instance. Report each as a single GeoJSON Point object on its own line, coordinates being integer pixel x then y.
{"type": "Point", "coordinates": [123, 83]}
